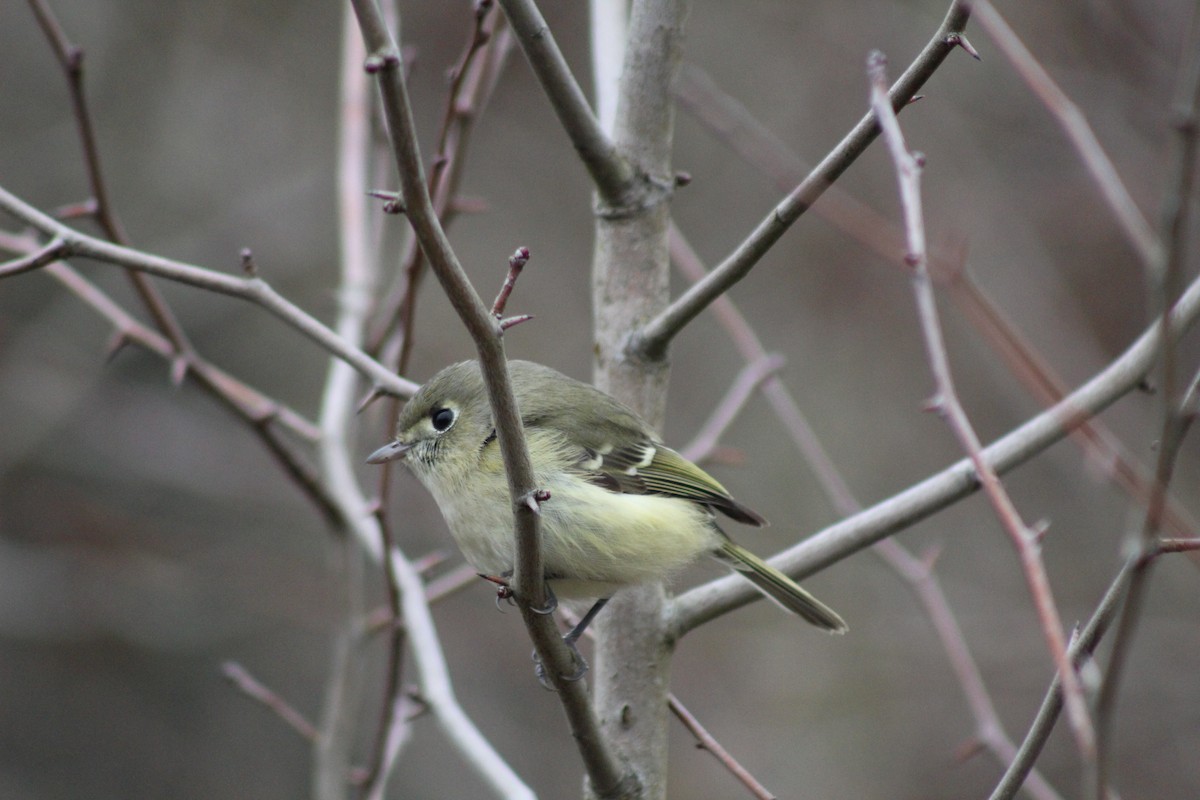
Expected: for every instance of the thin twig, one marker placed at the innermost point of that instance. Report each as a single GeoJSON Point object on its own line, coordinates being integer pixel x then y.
{"type": "Point", "coordinates": [754, 143]}
{"type": "Point", "coordinates": [256, 290]}
{"type": "Point", "coordinates": [252, 406]}
{"type": "Point", "coordinates": [908, 171]}
{"type": "Point", "coordinates": [70, 58]}
{"type": "Point", "coordinates": [383, 60]}
{"type": "Point", "coordinates": [1121, 376]}
{"type": "Point", "coordinates": [917, 573]}
{"type": "Point", "coordinates": [1082, 647]}
{"type": "Point", "coordinates": [652, 340]}
{"type": "Point", "coordinates": [475, 79]}
{"type": "Point", "coordinates": [359, 274]}
{"type": "Point", "coordinates": [248, 685]}
{"type": "Point", "coordinates": [1112, 189]}
{"type": "Point", "coordinates": [516, 263]}
{"type": "Point", "coordinates": [1166, 279]}
{"type": "Point", "coordinates": [752, 376]}
{"type": "Point", "coordinates": [706, 741]}
{"type": "Point", "coordinates": [35, 259]}
{"type": "Point", "coordinates": [613, 176]}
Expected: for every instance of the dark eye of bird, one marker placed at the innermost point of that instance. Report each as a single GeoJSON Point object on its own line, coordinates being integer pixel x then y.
{"type": "Point", "coordinates": [442, 418]}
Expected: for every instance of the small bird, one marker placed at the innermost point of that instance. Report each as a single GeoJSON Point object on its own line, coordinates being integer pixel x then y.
{"type": "Point", "coordinates": [623, 508]}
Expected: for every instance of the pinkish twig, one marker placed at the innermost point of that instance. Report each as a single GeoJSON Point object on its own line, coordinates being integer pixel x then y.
{"type": "Point", "coordinates": [752, 376]}
{"type": "Point", "coordinates": [1073, 122]}
{"type": "Point", "coordinates": [707, 741]}
{"type": "Point", "coordinates": [908, 169]}
{"type": "Point", "coordinates": [248, 685]}
{"type": "Point", "coordinates": [516, 263]}
{"type": "Point", "coordinates": [918, 573]}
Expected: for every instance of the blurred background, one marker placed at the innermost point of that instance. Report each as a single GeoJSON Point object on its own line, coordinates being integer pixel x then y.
{"type": "Point", "coordinates": [146, 537]}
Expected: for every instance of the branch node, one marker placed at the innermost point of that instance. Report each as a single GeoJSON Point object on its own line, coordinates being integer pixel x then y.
{"type": "Point", "coordinates": [959, 40]}
{"type": "Point", "coordinates": [509, 322]}
{"type": "Point", "coordinates": [393, 202]}
{"type": "Point", "coordinates": [84, 209]}
{"type": "Point", "coordinates": [73, 59]}
{"type": "Point", "coordinates": [179, 369]}
{"type": "Point", "coordinates": [935, 405]}
{"type": "Point", "coordinates": [373, 395]}
{"type": "Point", "coordinates": [533, 500]}
{"type": "Point", "coordinates": [248, 265]}
{"type": "Point", "coordinates": [116, 343]}
{"type": "Point", "coordinates": [516, 263]}
{"type": "Point", "coordinates": [380, 60]}
{"type": "Point", "coordinates": [682, 178]}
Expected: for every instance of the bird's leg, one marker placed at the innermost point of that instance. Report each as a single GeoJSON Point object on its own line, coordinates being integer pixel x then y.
{"type": "Point", "coordinates": [570, 641]}
{"type": "Point", "coordinates": [571, 638]}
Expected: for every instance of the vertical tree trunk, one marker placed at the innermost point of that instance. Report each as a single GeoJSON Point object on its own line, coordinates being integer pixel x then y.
{"type": "Point", "coordinates": [630, 284]}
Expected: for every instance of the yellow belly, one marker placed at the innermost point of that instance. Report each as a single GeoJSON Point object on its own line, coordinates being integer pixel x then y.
{"type": "Point", "coordinates": [593, 541]}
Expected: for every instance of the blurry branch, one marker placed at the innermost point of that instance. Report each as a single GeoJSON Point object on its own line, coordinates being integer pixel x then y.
{"type": "Point", "coordinates": [989, 731]}
{"type": "Point", "coordinates": [652, 340]}
{"type": "Point", "coordinates": [346, 683]}
{"type": "Point", "coordinates": [918, 573]}
{"type": "Point", "coordinates": [100, 207]}
{"type": "Point", "coordinates": [253, 289]}
{"type": "Point", "coordinates": [752, 376]}
{"type": "Point", "coordinates": [946, 404]}
{"type": "Point", "coordinates": [1122, 375]}
{"type": "Point", "coordinates": [613, 175]}
{"type": "Point", "coordinates": [1083, 645]}
{"type": "Point", "coordinates": [248, 685]}
{"type": "Point", "coordinates": [473, 80]}
{"type": "Point", "coordinates": [252, 406]}
{"type": "Point", "coordinates": [1075, 125]}
{"type": "Point", "coordinates": [256, 409]}
{"type": "Point", "coordinates": [608, 22]}
{"type": "Point", "coordinates": [747, 137]}
{"type": "Point", "coordinates": [706, 741]}
{"type": "Point", "coordinates": [1178, 406]}
{"type": "Point", "coordinates": [383, 61]}
{"type": "Point", "coordinates": [249, 402]}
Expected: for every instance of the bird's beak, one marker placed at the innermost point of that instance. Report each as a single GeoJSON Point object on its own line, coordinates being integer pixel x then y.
{"type": "Point", "coordinates": [389, 452]}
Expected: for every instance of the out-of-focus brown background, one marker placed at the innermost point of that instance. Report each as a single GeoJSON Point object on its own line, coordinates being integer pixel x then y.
{"type": "Point", "coordinates": [146, 537]}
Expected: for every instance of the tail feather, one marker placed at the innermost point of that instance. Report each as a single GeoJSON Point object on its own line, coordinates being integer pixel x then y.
{"type": "Point", "coordinates": [780, 588]}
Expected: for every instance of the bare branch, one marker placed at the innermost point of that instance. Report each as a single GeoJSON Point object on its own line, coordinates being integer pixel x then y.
{"type": "Point", "coordinates": [383, 59]}
{"type": "Point", "coordinates": [747, 137]}
{"type": "Point", "coordinates": [1133, 223]}
{"type": "Point", "coordinates": [652, 340]}
{"type": "Point", "coordinates": [1026, 541]}
{"type": "Point", "coordinates": [35, 259]}
{"type": "Point", "coordinates": [708, 742]}
{"type": "Point", "coordinates": [840, 540]}
{"type": "Point", "coordinates": [613, 176]}
{"type": "Point", "coordinates": [1166, 282]}
{"type": "Point", "coordinates": [752, 376]}
{"type": "Point", "coordinates": [253, 289]}
{"type": "Point", "coordinates": [70, 58]}
{"type": "Point", "coordinates": [1082, 647]}
{"type": "Point", "coordinates": [917, 573]}
{"type": "Point", "coordinates": [248, 685]}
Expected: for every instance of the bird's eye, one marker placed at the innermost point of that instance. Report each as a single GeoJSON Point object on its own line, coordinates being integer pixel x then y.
{"type": "Point", "coordinates": [442, 418]}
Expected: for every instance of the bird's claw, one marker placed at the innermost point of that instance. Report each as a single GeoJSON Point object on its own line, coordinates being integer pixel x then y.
{"type": "Point", "coordinates": [551, 603]}
{"type": "Point", "coordinates": [581, 667]}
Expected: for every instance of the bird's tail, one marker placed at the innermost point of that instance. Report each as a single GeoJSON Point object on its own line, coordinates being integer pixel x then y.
{"type": "Point", "coordinates": [779, 587]}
